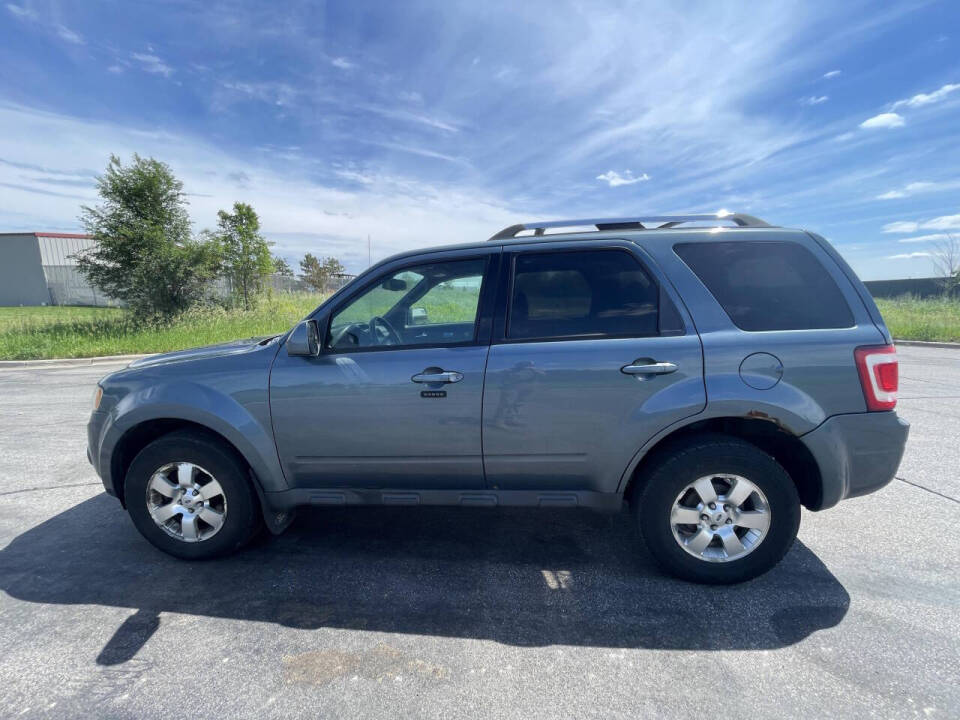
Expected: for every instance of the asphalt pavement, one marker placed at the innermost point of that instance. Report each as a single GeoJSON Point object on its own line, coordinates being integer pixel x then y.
{"type": "Point", "coordinates": [444, 613]}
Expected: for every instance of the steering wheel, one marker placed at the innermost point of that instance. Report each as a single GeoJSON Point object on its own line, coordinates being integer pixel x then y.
{"type": "Point", "coordinates": [389, 335]}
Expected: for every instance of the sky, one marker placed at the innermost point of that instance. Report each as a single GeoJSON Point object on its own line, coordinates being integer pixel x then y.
{"type": "Point", "coordinates": [420, 123]}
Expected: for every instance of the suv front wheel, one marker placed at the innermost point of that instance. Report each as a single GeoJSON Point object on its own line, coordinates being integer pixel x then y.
{"type": "Point", "coordinates": [189, 495]}
{"type": "Point", "coordinates": [717, 509]}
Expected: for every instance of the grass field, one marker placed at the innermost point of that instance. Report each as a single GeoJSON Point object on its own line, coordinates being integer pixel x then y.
{"type": "Point", "coordinates": [910, 318]}
{"type": "Point", "coordinates": [61, 332]}
{"type": "Point", "coordinates": [55, 332]}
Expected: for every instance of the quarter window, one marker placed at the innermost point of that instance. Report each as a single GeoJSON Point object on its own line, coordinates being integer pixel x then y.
{"type": "Point", "coordinates": [581, 293]}
{"type": "Point", "coordinates": [765, 285]}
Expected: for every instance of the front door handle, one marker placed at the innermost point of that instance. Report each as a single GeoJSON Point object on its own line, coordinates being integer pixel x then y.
{"type": "Point", "coordinates": [649, 368]}
{"type": "Point", "coordinates": [444, 376]}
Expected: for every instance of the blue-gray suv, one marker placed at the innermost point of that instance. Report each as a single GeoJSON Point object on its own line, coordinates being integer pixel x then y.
{"type": "Point", "coordinates": [712, 372]}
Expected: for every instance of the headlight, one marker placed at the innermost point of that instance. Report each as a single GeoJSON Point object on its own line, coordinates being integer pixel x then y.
{"type": "Point", "coordinates": [97, 397]}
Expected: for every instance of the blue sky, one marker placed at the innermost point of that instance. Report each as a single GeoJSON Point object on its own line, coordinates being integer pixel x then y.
{"type": "Point", "coordinates": [431, 122]}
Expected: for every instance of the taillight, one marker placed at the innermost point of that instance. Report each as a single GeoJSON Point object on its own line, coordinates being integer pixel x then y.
{"type": "Point", "coordinates": [879, 375]}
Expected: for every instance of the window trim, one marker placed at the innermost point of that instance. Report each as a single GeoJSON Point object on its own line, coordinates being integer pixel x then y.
{"type": "Point", "coordinates": [482, 320]}
{"type": "Point", "coordinates": [506, 287]}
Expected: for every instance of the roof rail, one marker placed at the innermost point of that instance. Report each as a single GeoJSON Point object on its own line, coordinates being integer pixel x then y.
{"type": "Point", "coordinates": [661, 222]}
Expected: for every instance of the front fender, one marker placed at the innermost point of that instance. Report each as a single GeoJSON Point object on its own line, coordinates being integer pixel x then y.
{"type": "Point", "coordinates": [246, 425]}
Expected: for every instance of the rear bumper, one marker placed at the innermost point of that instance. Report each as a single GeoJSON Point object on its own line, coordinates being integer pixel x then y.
{"type": "Point", "coordinates": [857, 454]}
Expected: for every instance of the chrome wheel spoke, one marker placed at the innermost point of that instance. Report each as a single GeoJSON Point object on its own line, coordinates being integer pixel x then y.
{"type": "Point", "coordinates": [213, 518]}
{"type": "Point", "coordinates": [163, 513]}
{"type": "Point", "coordinates": [704, 488]}
{"type": "Point", "coordinates": [731, 543]}
{"type": "Point", "coordinates": [188, 527]}
{"type": "Point", "coordinates": [211, 490]}
{"type": "Point", "coordinates": [683, 515]}
{"type": "Point", "coordinates": [756, 519]}
{"type": "Point", "coordinates": [185, 474]}
{"type": "Point", "coordinates": [741, 490]}
{"type": "Point", "coordinates": [698, 543]}
{"type": "Point", "coordinates": [160, 483]}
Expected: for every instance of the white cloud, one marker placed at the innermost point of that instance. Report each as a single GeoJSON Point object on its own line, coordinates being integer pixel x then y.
{"type": "Point", "coordinates": [936, 237]}
{"type": "Point", "coordinates": [615, 179]}
{"type": "Point", "coordinates": [342, 63]}
{"type": "Point", "coordinates": [908, 190]}
{"type": "Point", "coordinates": [814, 99]}
{"type": "Point", "coordinates": [69, 35]}
{"type": "Point", "coordinates": [280, 94]}
{"type": "Point", "coordinates": [927, 98]}
{"type": "Point", "coordinates": [901, 226]}
{"type": "Point", "coordinates": [944, 222]}
{"type": "Point", "coordinates": [152, 64]}
{"type": "Point", "coordinates": [831, 74]}
{"type": "Point", "coordinates": [21, 12]}
{"type": "Point", "coordinates": [406, 116]}
{"type": "Point", "coordinates": [908, 256]}
{"type": "Point", "coordinates": [883, 120]}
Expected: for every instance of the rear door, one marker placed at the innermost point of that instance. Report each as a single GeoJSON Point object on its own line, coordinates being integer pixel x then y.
{"type": "Point", "coordinates": [592, 355]}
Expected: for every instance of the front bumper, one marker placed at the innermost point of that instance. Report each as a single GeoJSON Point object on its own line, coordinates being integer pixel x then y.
{"type": "Point", "coordinates": [857, 454]}
{"type": "Point", "coordinates": [95, 429]}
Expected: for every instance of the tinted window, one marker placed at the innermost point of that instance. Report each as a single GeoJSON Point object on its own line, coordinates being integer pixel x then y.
{"type": "Point", "coordinates": [595, 292]}
{"type": "Point", "coordinates": [768, 285]}
{"type": "Point", "coordinates": [432, 304]}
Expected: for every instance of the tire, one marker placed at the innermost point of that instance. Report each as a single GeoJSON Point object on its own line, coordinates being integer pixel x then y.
{"type": "Point", "coordinates": [192, 529]}
{"type": "Point", "coordinates": [673, 486]}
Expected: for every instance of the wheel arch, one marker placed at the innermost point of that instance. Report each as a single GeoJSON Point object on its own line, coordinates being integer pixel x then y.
{"type": "Point", "coordinates": [785, 447]}
{"type": "Point", "coordinates": [137, 437]}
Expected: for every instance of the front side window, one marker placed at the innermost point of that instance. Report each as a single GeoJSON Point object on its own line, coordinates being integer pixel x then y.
{"type": "Point", "coordinates": [430, 304]}
{"type": "Point", "coordinates": [768, 285]}
{"type": "Point", "coordinates": [581, 293]}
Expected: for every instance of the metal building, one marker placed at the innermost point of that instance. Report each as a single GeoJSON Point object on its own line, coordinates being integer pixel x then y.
{"type": "Point", "coordinates": [37, 268]}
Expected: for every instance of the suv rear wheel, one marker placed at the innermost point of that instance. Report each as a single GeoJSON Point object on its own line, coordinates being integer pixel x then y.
{"type": "Point", "coordinates": [717, 509]}
{"type": "Point", "coordinates": [190, 496]}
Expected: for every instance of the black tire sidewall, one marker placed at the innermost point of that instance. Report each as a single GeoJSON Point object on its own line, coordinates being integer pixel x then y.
{"type": "Point", "coordinates": [242, 510]}
{"type": "Point", "coordinates": [718, 455]}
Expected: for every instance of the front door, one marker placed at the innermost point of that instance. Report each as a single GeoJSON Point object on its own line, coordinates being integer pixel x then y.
{"type": "Point", "coordinates": [590, 360]}
{"type": "Point", "coordinates": [395, 397]}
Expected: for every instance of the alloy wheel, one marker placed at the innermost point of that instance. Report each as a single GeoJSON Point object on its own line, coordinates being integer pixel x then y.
{"type": "Point", "coordinates": [186, 502]}
{"type": "Point", "coordinates": [720, 518]}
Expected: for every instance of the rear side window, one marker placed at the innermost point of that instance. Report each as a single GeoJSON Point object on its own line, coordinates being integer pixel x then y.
{"type": "Point", "coordinates": [590, 292]}
{"type": "Point", "coordinates": [768, 285]}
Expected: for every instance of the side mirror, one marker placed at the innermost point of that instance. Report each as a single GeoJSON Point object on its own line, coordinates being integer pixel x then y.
{"type": "Point", "coordinates": [304, 340]}
{"type": "Point", "coordinates": [418, 316]}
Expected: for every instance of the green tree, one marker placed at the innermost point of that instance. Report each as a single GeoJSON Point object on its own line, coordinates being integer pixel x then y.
{"type": "Point", "coordinates": [244, 251]}
{"type": "Point", "coordinates": [145, 254]}
{"type": "Point", "coordinates": [281, 266]}
{"type": "Point", "coordinates": [316, 272]}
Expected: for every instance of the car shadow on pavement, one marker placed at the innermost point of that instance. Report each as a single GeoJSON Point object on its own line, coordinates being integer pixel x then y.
{"type": "Point", "coordinates": [521, 577]}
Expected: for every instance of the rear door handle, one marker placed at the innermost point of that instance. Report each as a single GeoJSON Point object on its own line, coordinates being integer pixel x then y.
{"type": "Point", "coordinates": [649, 368]}
{"type": "Point", "coordinates": [446, 376]}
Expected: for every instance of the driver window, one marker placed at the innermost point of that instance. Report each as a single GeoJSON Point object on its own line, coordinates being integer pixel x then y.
{"type": "Point", "coordinates": [433, 304]}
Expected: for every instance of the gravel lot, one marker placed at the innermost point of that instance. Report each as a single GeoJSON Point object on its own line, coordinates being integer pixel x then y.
{"type": "Point", "coordinates": [442, 613]}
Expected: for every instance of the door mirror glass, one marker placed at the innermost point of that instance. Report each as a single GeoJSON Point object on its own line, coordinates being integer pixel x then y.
{"type": "Point", "coordinates": [419, 316]}
{"type": "Point", "coordinates": [304, 340]}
